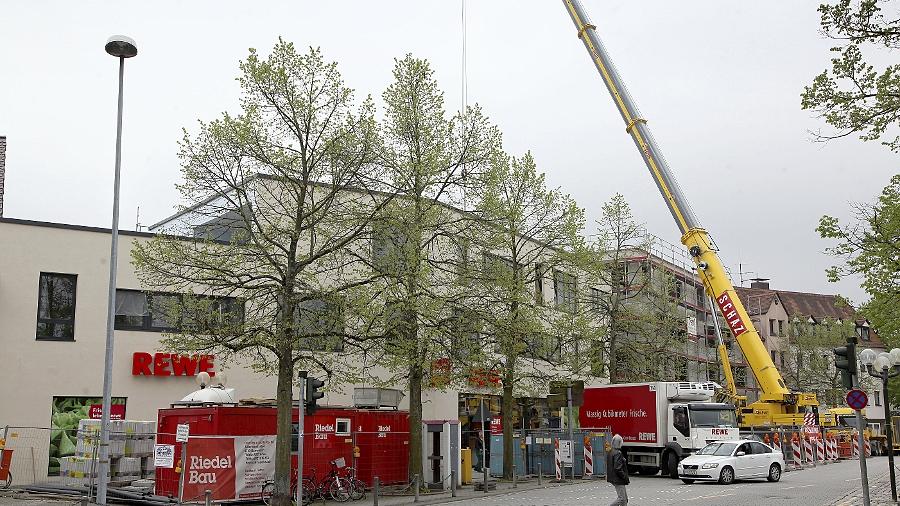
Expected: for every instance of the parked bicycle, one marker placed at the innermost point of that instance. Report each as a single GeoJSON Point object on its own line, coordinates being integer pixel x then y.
{"type": "Point", "coordinates": [357, 486]}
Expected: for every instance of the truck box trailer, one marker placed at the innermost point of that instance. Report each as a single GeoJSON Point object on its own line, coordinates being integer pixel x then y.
{"type": "Point", "coordinates": [660, 422]}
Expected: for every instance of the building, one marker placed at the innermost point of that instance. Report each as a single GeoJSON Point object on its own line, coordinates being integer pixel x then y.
{"type": "Point", "coordinates": [783, 319]}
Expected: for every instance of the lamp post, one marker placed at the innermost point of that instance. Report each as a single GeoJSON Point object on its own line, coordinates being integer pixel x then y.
{"type": "Point", "coordinates": [884, 366]}
{"type": "Point", "coordinates": [121, 47]}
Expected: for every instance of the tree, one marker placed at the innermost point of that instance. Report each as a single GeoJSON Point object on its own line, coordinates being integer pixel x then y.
{"type": "Point", "coordinates": [417, 249]}
{"type": "Point", "coordinates": [274, 226]}
{"type": "Point", "coordinates": [808, 358]}
{"type": "Point", "coordinates": [854, 97]}
{"type": "Point", "coordinates": [525, 230]}
{"type": "Point", "coordinates": [614, 282]}
{"type": "Point", "coordinates": [870, 247]}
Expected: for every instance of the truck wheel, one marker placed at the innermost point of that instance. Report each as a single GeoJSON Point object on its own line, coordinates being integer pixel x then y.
{"type": "Point", "coordinates": [671, 465]}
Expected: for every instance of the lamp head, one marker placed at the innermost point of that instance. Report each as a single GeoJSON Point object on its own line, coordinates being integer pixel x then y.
{"type": "Point", "coordinates": [203, 379]}
{"type": "Point", "coordinates": [867, 357]}
{"type": "Point", "coordinates": [895, 356]}
{"type": "Point", "coordinates": [121, 46]}
{"type": "Point", "coordinates": [882, 362]}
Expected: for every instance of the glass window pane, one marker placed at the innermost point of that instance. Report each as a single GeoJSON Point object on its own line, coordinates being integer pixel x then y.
{"type": "Point", "coordinates": [164, 310]}
{"type": "Point", "coordinates": [57, 297]}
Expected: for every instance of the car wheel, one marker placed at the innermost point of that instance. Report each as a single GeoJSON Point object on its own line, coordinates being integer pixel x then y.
{"type": "Point", "coordinates": [726, 476]}
{"type": "Point", "coordinates": [687, 482]}
{"type": "Point", "coordinates": [672, 465]}
{"type": "Point", "coordinates": [774, 473]}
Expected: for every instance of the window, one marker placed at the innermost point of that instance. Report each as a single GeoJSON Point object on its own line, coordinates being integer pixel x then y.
{"type": "Point", "coordinates": [56, 307]}
{"type": "Point", "coordinates": [388, 248]}
{"type": "Point", "coordinates": [680, 420]}
{"type": "Point", "coordinates": [342, 426]}
{"type": "Point", "coordinates": [863, 332]}
{"type": "Point", "coordinates": [759, 448]}
{"type": "Point", "coordinates": [772, 327]}
{"type": "Point", "coordinates": [564, 288]}
{"type": "Point", "coordinates": [774, 354]}
{"type": "Point", "coordinates": [780, 327]}
{"type": "Point", "coordinates": [320, 324]}
{"type": "Point", "coordinates": [172, 312]}
{"type": "Point", "coordinates": [877, 395]}
{"type": "Point", "coordinates": [539, 284]}
{"type": "Point", "coordinates": [596, 299]}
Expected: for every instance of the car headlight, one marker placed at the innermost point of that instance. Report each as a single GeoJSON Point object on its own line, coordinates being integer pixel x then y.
{"type": "Point", "coordinates": [711, 465]}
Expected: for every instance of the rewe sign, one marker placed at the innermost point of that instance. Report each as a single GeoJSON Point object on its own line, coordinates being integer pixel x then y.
{"type": "Point", "coordinates": [171, 364]}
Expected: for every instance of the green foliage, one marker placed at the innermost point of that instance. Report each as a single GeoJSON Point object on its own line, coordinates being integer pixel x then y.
{"type": "Point", "coordinates": [870, 247]}
{"type": "Point", "coordinates": [808, 358]}
{"type": "Point", "coordinates": [854, 97]}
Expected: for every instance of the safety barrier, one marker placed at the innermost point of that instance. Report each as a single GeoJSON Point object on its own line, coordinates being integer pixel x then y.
{"type": "Point", "coordinates": [588, 459]}
{"type": "Point", "coordinates": [558, 460]}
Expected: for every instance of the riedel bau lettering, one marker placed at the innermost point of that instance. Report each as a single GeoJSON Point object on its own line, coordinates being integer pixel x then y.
{"type": "Point", "coordinates": [199, 464]}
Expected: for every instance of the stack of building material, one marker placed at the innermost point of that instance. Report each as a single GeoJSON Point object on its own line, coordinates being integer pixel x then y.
{"type": "Point", "coordinates": [130, 452]}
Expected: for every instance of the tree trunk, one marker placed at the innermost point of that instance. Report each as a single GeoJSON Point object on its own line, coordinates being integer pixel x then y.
{"type": "Point", "coordinates": [506, 419]}
{"type": "Point", "coordinates": [415, 421]}
{"type": "Point", "coordinates": [284, 398]}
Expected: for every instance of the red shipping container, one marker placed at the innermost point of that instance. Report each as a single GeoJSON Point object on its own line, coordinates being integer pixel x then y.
{"type": "Point", "coordinates": [330, 433]}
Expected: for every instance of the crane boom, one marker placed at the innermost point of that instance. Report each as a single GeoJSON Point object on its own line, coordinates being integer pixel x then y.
{"type": "Point", "coordinates": [777, 404]}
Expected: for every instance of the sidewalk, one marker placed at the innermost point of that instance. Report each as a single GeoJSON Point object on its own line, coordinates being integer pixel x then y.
{"type": "Point", "coordinates": [468, 492]}
{"type": "Point", "coordinates": [879, 493]}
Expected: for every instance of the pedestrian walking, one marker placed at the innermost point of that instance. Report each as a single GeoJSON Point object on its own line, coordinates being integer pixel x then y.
{"type": "Point", "coordinates": [617, 471]}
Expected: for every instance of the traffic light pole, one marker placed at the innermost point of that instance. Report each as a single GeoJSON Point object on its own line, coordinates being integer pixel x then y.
{"type": "Point", "coordinates": [300, 430]}
{"type": "Point", "coordinates": [863, 472]}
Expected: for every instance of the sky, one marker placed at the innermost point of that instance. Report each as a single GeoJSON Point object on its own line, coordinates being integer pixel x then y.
{"type": "Point", "coordinates": [719, 83]}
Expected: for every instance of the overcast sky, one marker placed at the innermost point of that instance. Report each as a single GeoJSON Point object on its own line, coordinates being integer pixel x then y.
{"type": "Point", "coordinates": [719, 83]}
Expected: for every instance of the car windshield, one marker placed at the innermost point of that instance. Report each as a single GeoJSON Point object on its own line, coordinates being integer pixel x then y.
{"type": "Point", "coordinates": [719, 449]}
{"type": "Point", "coordinates": [713, 418]}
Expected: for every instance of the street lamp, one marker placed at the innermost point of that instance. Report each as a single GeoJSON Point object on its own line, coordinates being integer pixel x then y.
{"type": "Point", "coordinates": [885, 365]}
{"type": "Point", "coordinates": [121, 47]}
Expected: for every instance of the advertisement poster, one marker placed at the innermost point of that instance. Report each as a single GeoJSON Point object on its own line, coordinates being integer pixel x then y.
{"type": "Point", "coordinates": [164, 456]}
{"type": "Point", "coordinates": [66, 413]}
{"type": "Point", "coordinates": [629, 411]}
{"type": "Point", "coordinates": [232, 467]}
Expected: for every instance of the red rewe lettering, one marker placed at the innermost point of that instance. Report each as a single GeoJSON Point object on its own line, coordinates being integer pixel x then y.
{"type": "Point", "coordinates": [140, 364]}
{"type": "Point", "coordinates": [161, 363]}
{"type": "Point", "coordinates": [732, 317]}
{"type": "Point", "coordinates": [206, 364]}
{"type": "Point", "coordinates": [183, 365]}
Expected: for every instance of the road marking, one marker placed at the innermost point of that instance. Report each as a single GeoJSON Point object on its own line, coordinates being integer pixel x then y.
{"type": "Point", "coordinates": [706, 497]}
{"type": "Point", "coordinates": [798, 486]}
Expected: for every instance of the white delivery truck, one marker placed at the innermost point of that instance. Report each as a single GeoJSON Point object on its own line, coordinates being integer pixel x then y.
{"type": "Point", "coordinates": [660, 422]}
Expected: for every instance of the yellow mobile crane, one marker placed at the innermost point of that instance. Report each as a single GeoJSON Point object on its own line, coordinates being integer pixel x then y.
{"type": "Point", "coordinates": [777, 405]}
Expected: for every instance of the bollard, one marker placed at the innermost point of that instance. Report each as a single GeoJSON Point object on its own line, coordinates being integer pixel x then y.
{"type": "Point", "coordinates": [375, 487]}
{"type": "Point", "coordinates": [207, 500]}
{"type": "Point", "coordinates": [84, 500]}
{"type": "Point", "coordinates": [540, 475]}
{"type": "Point", "coordinates": [452, 483]}
{"type": "Point", "coordinates": [487, 472]}
{"type": "Point", "coordinates": [416, 484]}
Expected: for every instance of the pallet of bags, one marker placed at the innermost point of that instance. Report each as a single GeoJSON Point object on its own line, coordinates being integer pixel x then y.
{"type": "Point", "coordinates": [126, 469]}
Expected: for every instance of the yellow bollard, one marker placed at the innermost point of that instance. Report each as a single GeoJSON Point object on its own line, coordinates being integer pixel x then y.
{"type": "Point", "coordinates": [466, 467]}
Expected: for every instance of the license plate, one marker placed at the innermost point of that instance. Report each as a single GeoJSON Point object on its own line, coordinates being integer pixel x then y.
{"type": "Point", "coordinates": [690, 471]}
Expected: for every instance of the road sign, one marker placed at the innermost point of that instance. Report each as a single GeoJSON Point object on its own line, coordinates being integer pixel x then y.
{"type": "Point", "coordinates": [857, 399]}
{"type": "Point", "coordinates": [182, 432]}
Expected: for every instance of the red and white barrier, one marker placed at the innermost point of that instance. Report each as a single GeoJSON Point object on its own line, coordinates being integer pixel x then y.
{"type": "Point", "coordinates": [868, 448]}
{"type": "Point", "coordinates": [797, 461]}
{"type": "Point", "coordinates": [588, 459]}
{"type": "Point", "coordinates": [831, 449]}
{"type": "Point", "coordinates": [558, 462]}
{"type": "Point", "coordinates": [820, 450]}
{"type": "Point", "coordinates": [855, 452]}
{"type": "Point", "coordinates": [808, 456]}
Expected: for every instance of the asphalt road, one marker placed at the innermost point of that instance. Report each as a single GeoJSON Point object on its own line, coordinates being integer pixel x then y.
{"type": "Point", "coordinates": [823, 485]}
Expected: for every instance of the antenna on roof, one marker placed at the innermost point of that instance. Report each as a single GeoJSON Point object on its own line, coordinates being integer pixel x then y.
{"type": "Point", "coordinates": [137, 220]}
{"type": "Point", "coordinates": [741, 273]}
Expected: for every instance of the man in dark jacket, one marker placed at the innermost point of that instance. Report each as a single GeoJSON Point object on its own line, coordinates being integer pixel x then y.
{"type": "Point", "coordinates": [617, 471]}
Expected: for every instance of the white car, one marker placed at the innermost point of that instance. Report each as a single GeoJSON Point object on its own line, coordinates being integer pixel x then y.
{"type": "Point", "coordinates": [726, 461]}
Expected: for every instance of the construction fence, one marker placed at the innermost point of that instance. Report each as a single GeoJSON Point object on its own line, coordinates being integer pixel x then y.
{"type": "Point", "coordinates": [802, 448]}
{"type": "Point", "coordinates": [551, 452]}
{"type": "Point", "coordinates": [143, 460]}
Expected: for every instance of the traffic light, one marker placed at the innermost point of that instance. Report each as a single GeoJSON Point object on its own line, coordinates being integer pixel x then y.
{"type": "Point", "coordinates": [313, 394]}
{"type": "Point", "coordinates": [845, 361]}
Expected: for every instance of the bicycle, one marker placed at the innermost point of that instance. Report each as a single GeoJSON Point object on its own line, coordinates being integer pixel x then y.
{"type": "Point", "coordinates": [357, 486]}
{"type": "Point", "coordinates": [268, 490]}
{"type": "Point", "coordinates": [336, 486]}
